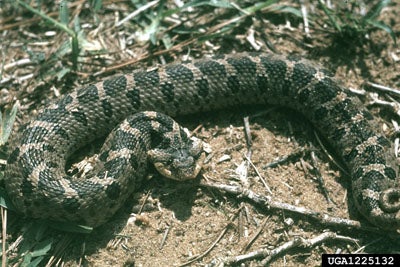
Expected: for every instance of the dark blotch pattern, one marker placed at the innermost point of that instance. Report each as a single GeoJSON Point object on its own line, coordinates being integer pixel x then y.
{"type": "Point", "coordinates": [179, 73]}
{"type": "Point", "coordinates": [262, 82]}
{"type": "Point", "coordinates": [361, 130]}
{"type": "Point", "coordinates": [88, 94]}
{"type": "Point", "coordinates": [113, 191]}
{"type": "Point", "coordinates": [127, 137]}
{"type": "Point", "coordinates": [168, 91]}
{"type": "Point", "coordinates": [29, 163]}
{"type": "Point", "coordinates": [71, 205]}
{"type": "Point", "coordinates": [44, 174]}
{"type": "Point", "coordinates": [233, 84]}
{"type": "Point", "coordinates": [358, 174]}
{"type": "Point", "coordinates": [326, 90]}
{"type": "Point", "coordinates": [202, 87]}
{"type": "Point", "coordinates": [113, 167]}
{"type": "Point", "coordinates": [103, 156]}
{"type": "Point", "coordinates": [244, 65]}
{"type": "Point", "coordinates": [373, 154]}
{"type": "Point", "coordinates": [66, 100]}
{"type": "Point", "coordinates": [58, 130]}
{"type": "Point", "coordinates": [371, 177]}
{"type": "Point", "coordinates": [107, 108]}
{"type": "Point", "coordinates": [304, 95]}
{"type": "Point", "coordinates": [134, 161]}
{"type": "Point", "coordinates": [134, 98]}
{"type": "Point", "coordinates": [275, 72]}
{"type": "Point", "coordinates": [52, 188]}
{"type": "Point", "coordinates": [303, 75]}
{"type": "Point", "coordinates": [211, 69]}
{"type": "Point", "coordinates": [113, 85]}
{"type": "Point", "coordinates": [48, 147]}
{"type": "Point", "coordinates": [52, 164]}
{"type": "Point", "coordinates": [52, 115]}
{"type": "Point", "coordinates": [80, 117]}
{"type": "Point", "coordinates": [390, 173]}
{"type": "Point", "coordinates": [339, 108]}
{"type": "Point", "coordinates": [27, 187]}
{"type": "Point", "coordinates": [146, 80]}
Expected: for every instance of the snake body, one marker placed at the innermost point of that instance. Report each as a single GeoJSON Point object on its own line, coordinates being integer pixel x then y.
{"type": "Point", "coordinates": [39, 187]}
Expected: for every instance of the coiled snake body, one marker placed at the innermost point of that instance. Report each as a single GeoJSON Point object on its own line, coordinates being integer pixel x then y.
{"type": "Point", "coordinates": [38, 186]}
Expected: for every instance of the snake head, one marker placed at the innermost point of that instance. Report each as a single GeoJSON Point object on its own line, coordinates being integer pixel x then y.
{"type": "Point", "coordinates": [183, 163]}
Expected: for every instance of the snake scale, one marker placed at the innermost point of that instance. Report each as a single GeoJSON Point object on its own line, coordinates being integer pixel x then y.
{"type": "Point", "coordinates": [39, 186]}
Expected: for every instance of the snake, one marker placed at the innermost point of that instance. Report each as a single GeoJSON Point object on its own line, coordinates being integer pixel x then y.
{"type": "Point", "coordinates": [135, 110]}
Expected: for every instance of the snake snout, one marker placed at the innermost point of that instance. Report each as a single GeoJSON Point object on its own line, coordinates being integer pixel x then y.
{"type": "Point", "coordinates": [178, 164]}
{"type": "Point", "coordinates": [390, 200]}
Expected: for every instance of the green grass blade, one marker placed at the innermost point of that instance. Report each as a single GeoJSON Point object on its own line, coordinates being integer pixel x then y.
{"type": "Point", "coordinates": [6, 123]}
{"type": "Point", "coordinates": [59, 25]}
{"type": "Point", "coordinates": [5, 201]}
{"type": "Point", "coordinates": [260, 5]}
{"type": "Point", "coordinates": [214, 3]}
{"type": "Point", "coordinates": [376, 10]}
{"type": "Point", "coordinates": [383, 26]}
{"type": "Point", "coordinates": [97, 5]}
{"type": "Point", "coordinates": [47, 18]}
{"type": "Point", "coordinates": [35, 262]}
{"type": "Point", "coordinates": [330, 15]}
{"type": "Point", "coordinates": [70, 227]}
{"type": "Point", "coordinates": [64, 12]}
{"type": "Point", "coordinates": [288, 9]}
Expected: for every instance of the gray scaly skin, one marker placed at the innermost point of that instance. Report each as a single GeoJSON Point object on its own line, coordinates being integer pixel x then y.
{"type": "Point", "coordinates": [38, 186]}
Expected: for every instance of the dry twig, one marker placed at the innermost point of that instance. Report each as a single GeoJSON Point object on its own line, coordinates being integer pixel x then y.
{"type": "Point", "coordinates": [270, 204]}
